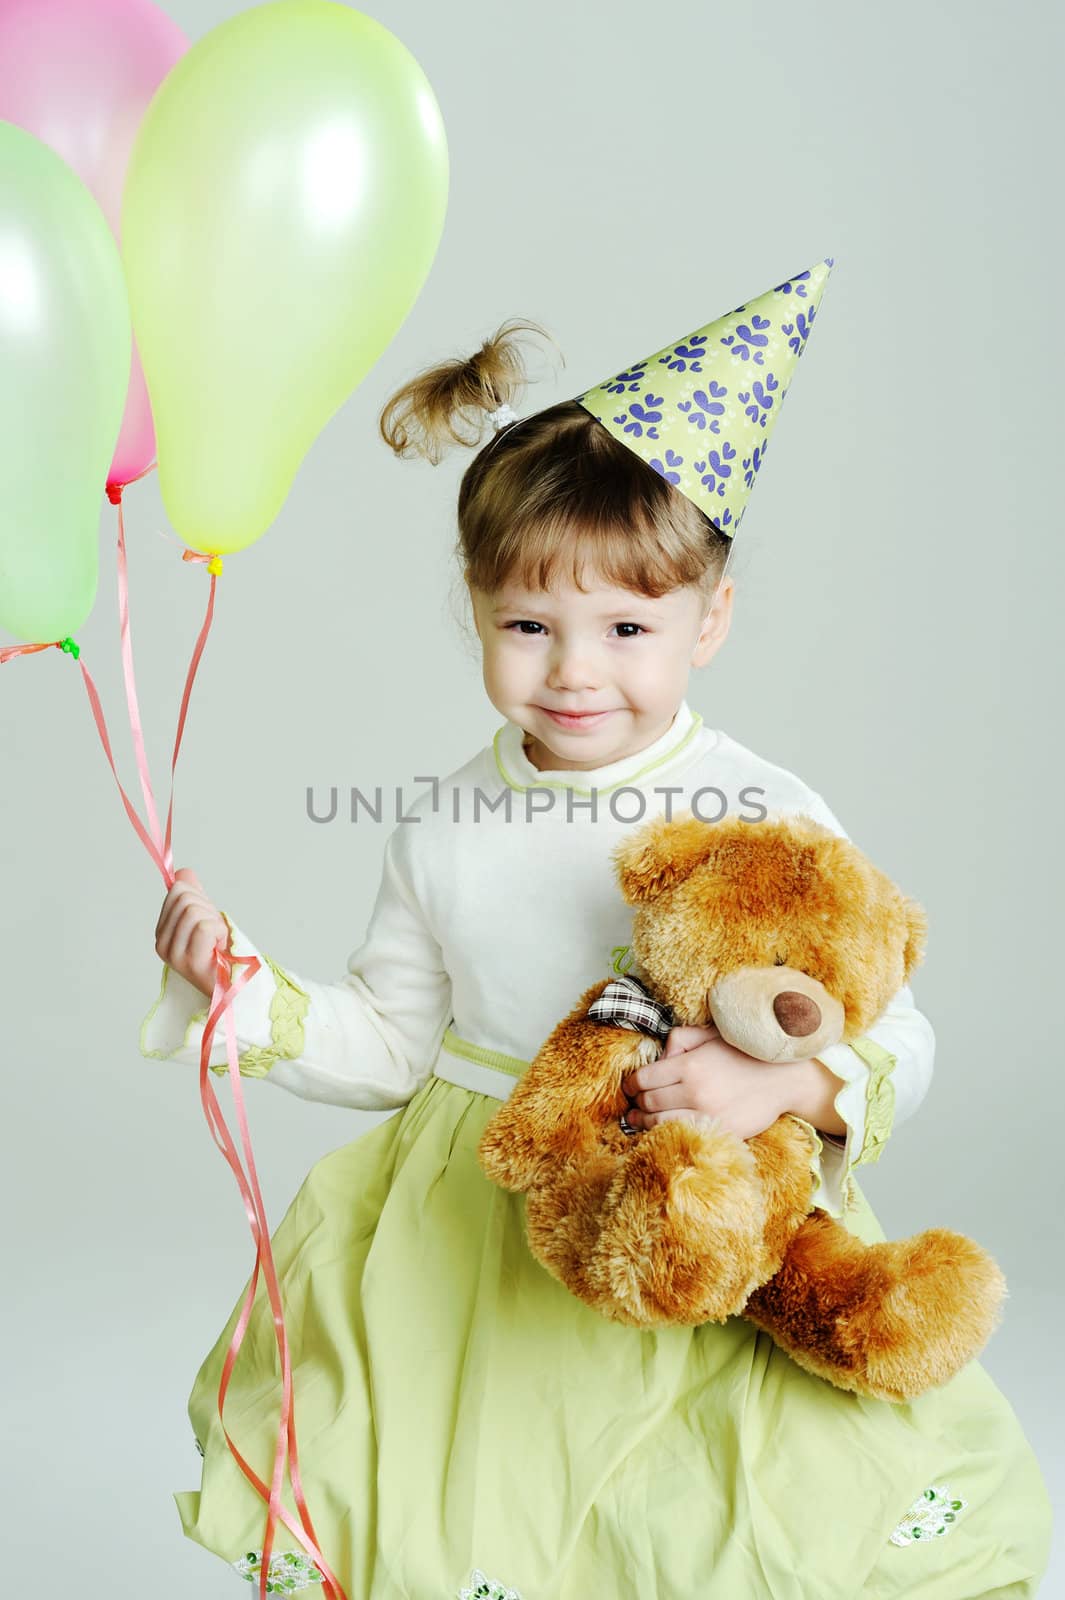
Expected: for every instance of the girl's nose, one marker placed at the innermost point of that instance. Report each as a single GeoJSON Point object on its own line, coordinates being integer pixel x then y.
{"type": "Point", "coordinates": [572, 670]}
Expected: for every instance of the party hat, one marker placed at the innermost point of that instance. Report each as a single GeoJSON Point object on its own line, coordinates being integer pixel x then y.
{"type": "Point", "coordinates": [700, 410]}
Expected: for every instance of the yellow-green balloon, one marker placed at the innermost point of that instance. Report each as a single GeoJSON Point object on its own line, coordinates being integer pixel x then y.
{"type": "Point", "coordinates": [65, 351]}
{"type": "Point", "coordinates": [283, 204]}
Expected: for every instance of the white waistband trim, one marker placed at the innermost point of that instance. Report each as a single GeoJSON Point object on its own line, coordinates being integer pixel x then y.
{"type": "Point", "coordinates": [472, 1075]}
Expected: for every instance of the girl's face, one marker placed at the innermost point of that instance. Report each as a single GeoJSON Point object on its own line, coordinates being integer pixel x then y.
{"type": "Point", "coordinates": [623, 656]}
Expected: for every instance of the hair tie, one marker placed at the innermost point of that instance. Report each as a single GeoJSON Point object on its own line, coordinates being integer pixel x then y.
{"type": "Point", "coordinates": [501, 416]}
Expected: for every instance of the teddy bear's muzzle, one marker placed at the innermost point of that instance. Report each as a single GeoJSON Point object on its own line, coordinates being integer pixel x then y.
{"type": "Point", "coordinates": [775, 1013]}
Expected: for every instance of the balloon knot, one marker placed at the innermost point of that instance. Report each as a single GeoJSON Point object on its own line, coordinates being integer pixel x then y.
{"type": "Point", "coordinates": [114, 493]}
{"type": "Point", "coordinates": [212, 563]}
{"type": "Point", "coordinates": [69, 646]}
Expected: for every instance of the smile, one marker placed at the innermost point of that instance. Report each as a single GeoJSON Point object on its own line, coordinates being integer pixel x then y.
{"type": "Point", "coordinates": [589, 719]}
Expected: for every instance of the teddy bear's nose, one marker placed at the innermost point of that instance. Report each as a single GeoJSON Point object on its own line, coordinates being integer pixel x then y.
{"type": "Point", "coordinates": [797, 1014]}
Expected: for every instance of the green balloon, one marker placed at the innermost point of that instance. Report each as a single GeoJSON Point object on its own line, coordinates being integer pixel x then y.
{"type": "Point", "coordinates": [65, 353]}
{"type": "Point", "coordinates": [283, 204]}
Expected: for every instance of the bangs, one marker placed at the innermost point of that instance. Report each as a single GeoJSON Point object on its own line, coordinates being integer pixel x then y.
{"type": "Point", "coordinates": [552, 552]}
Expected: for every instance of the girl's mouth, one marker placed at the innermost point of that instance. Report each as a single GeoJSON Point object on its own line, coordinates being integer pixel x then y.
{"type": "Point", "coordinates": [590, 719]}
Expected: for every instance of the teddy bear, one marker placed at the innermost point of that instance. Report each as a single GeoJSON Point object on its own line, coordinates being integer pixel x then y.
{"type": "Point", "coordinates": [782, 935]}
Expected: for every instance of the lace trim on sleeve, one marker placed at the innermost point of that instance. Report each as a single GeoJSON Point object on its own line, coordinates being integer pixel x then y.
{"type": "Point", "coordinates": [879, 1100]}
{"type": "Point", "coordinates": [288, 1008]}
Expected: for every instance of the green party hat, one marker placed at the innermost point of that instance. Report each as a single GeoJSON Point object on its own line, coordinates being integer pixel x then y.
{"type": "Point", "coordinates": [700, 410]}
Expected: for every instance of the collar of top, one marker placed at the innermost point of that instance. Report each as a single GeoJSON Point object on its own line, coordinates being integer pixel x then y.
{"type": "Point", "coordinates": [518, 772]}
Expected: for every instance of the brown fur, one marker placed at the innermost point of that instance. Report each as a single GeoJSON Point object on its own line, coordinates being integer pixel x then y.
{"type": "Point", "coordinates": [746, 925]}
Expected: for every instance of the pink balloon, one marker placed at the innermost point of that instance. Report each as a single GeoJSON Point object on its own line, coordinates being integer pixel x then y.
{"type": "Point", "coordinates": [78, 74]}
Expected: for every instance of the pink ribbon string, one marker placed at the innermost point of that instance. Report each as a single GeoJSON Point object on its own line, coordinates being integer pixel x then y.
{"type": "Point", "coordinates": [224, 993]}
{"type": "Point", "coordinates": [114, 494]}
{"type": "Point", "coordinates": [9, 653]}
{"type": "Point", "coordinates": [221, 1003]}
{"type": "Point", "coordinates": [225, 990]}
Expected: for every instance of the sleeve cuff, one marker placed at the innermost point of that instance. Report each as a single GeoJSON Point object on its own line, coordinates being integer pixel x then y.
{"type": "Point", "coordinates": [866, 1103]}
{"type": "Point", "coordinates": [267, 1013]}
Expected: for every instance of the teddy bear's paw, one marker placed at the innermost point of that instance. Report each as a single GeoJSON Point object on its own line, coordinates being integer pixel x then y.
{"type": "Point", "coordinates": [646, 1050]}
{"type": "Point", "coordinates": [681, 1228]}
{"type": "Point", "coordinates": [933, 1302]}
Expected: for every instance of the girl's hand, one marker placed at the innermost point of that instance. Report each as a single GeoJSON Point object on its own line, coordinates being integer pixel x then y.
{"type": "Point", "coordinates": [699, 1075]}
{"type": "Point", "coordinates": [188, 930]}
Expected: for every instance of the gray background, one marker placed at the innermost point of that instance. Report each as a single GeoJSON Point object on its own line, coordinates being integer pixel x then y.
{"type": "Point", "coordinates": [621, 174]}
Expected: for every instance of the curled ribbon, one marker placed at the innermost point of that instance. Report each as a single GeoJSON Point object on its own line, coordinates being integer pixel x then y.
{"type": "Point", "coordinates": [225, 990]}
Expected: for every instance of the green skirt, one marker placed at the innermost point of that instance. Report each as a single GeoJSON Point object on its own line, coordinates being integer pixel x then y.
{"type": "Point", "coordinates": [468, 1427]}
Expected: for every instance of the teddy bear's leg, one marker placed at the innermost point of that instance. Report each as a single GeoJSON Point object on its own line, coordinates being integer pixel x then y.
{"type": "Point", "coordinates": [697, 1218]}
{"type": "Point", "coordinates": [782, 1155]}
{"type": "Point", "coordinates": [888, 1320]}
{"type": "Point", "coordinates": [563, 1223]}
{"type": "Point", "coordinates": [680, 1228]}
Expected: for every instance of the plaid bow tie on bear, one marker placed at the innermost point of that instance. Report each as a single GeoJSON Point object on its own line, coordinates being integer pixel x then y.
{"type": "Point", "coordinates": [627, 1003]}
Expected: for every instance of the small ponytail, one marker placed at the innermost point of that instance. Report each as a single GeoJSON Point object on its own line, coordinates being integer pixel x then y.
{"type": "Point", "coordinates": [450, 402]}
{"type": "Point", "coordinates": [552, 490]}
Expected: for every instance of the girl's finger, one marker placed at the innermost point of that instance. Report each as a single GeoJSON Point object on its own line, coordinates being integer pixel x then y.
{"type": "Point", "coordinates": [656, 1074]}
{"type": "Point", "coordinates": [652, 1076]}
{"type": "Point", "coordinates": [666, 1098]}
{"type": "Point", "coordinates": [205, 938]}
{"type": "Point", "coordinates": [178, 896]}
{"type": "Point", "coordinates": [179, 899]}
{"type": "Point", "coordinates": [686, 1038]}
{"type": "Point", "coordinates": [181, 932]}
{"type": "Point", "coordinates": [192, 918]}
{"type": "Point", "coordinates": [168, 916]}
{"type": "Point", "coordinates": [662, 1074]}
{"type": "Point", "coordinates": [685, 1114]}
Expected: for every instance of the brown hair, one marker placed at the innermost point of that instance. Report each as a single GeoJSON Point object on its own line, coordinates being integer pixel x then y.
{"type": "Point", "coordinates": [550, 487]}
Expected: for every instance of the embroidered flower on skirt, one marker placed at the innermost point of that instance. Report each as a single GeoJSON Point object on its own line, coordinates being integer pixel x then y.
{"type": "Point", "coordinates": [289, 1571]}
{"type": "Point", "coordinates": [932, 1514]}
{"type": "Point", "coordinates": [482, 1588]}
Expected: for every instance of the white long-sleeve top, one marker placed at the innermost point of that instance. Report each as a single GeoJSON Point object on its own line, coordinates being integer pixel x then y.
{"type": "Point", "coordinates": [498, 906]}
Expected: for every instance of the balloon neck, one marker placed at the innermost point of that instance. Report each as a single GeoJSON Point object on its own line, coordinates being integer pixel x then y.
{"type": "Point", "coordinates": [114, 493]}
{"type": "Point", "coordinates": [214, 563]}
{"type": "Point", "coordinates": [69, 647]}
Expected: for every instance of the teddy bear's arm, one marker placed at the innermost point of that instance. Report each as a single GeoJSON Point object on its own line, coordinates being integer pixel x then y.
{"type": "Point", "coordinates": [566, 1100]}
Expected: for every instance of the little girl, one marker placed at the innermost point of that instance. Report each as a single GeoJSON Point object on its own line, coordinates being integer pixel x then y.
{"type": "Point", "coordinates": [466, 1426]}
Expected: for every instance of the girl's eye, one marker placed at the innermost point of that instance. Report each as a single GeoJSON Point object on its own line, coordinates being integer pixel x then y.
{"type": "Point", "coordinates": [527, 623]}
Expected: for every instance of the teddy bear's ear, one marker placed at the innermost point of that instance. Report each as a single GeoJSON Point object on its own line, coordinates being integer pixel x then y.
{"type": "Point", "coordinates": [659, 855]}
{"type": "Point", "coordinates": [917, 926]}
